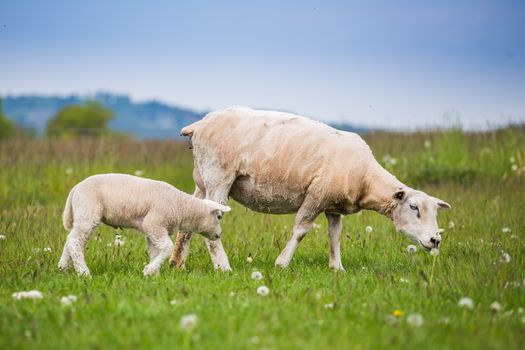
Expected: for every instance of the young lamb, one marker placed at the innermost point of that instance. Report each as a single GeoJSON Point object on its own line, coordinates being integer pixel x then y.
{"type": "Point", "coordinates": [123, 201]}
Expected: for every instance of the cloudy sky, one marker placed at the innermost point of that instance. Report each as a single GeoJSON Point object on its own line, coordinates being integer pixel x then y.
{"type": "Point", "coordinates": [392, 64]}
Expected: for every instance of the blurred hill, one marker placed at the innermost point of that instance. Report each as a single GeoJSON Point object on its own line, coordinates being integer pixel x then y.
{"type": "Point", "coordinates": [151, 119]}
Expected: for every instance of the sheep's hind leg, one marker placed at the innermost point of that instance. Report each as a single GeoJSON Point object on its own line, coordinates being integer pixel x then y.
{"type": "Point", "coordinates": [334, 233]}
{"type": "Point", "coordinates": [76, 243]}
{"type": "Point", "coordinates": [65, 260]}
{"type": "Point", "coordinates": [303, 223]}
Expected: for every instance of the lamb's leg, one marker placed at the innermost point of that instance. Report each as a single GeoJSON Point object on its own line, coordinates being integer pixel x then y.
{"type": "Point", "coordinates": [152, 250]}
{"type": "Point", "coordinates": [182, 242]}
{"type": "Point", "coordinates": [65, 260]}
{"type": "Point", "coordinates": [334, 233]}
{"type": "Point", "coordinates": [161, 241]}
{"type": "Point", "coordinates": [76, 243]}
{"type": "Point", "coordinates": [303, 222]}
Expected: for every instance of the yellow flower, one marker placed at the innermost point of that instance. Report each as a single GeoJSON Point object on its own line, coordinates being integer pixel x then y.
{"type": "Point", "coordinates": [397, 313]}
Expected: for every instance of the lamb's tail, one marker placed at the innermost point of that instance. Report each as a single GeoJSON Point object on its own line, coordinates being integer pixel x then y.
{"type": "Point", "coordinates": [188, 130]}
{"type": "Point", "coordinates": [67, 217]}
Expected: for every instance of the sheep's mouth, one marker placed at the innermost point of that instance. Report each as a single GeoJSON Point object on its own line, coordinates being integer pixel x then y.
{"type": "Point", "coordinates": [424, 246]}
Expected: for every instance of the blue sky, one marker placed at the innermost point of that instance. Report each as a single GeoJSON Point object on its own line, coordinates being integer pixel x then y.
{"type": "Point", "coordinates": [393, 64]}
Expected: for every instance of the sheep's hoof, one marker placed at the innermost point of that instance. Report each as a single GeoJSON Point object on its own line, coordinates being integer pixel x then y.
{"type": "Point", "coordinates": [150, 271]}
{"type": "Point", "coordinates": [337, 268]}
{"type": "Point", "coordinates": [281, 263]}
{"type": "Point", "coordinates": [178, 264]}
{"type": "Point", "coordinates": [64, 267]}
{"type": "Point", "coordinates": [84, 273]}
{"type": "Point", "coordinates": [223, 268]}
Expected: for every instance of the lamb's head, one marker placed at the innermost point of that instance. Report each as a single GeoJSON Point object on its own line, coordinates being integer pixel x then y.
{"type": "Point", "coordinates": [209, 224]}
{"type": "Point", "coordinates": [415, 215]}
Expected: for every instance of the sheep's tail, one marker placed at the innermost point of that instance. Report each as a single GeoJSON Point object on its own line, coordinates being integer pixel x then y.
{"type": "Point", "coordinates": [67, 217]}
{"type": "Point", "coordinates": [188, 130]}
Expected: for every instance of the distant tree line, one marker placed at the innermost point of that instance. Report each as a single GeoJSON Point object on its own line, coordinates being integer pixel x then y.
{"type": "Point", "coordinates": [91, 118]}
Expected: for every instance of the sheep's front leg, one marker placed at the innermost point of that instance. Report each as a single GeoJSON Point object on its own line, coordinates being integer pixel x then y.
{"type": "Point", "coordinates": [182, 242]}
{"type": "Point", "coordinates": [152, 250]}
{"type": "Point", "coordinates": [334, 233]}
{"type": "Point", "coordinates": [163, 245]}
{"type": "Point", "coordinates": [303, 223]}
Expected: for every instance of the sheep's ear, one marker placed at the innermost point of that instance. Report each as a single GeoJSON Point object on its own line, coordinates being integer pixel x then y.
{"type": "Point", "coordinates": [217, 206]}
{"type": "Point", "coordinates": [441, 204]}
{"type": "Point", "coordinates": [399, 195]}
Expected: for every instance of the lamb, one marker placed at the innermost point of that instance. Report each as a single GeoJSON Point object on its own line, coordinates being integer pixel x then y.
{"type": "Point", "coordinates": [282, 163]}
{"type": "Point", "coordinates": [123, 201]}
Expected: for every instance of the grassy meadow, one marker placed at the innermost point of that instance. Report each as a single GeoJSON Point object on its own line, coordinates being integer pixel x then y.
{"type": "Point", "coordinates": [388, 298]}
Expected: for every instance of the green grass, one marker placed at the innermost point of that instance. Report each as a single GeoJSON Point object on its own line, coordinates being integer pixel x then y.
{"type": "Point", "coordinates": [119, 308]}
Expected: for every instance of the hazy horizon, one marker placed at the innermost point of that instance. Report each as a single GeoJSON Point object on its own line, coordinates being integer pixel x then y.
{"type": "Point", "coordinates": [394, 65]}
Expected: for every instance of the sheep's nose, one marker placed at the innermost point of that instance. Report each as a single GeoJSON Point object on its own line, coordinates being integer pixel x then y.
{"type": "Point", "coordinates": [435, 241]}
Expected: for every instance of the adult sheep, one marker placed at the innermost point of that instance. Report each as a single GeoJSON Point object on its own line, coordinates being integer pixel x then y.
{"type": "Point", "coordinates": [281, 163]}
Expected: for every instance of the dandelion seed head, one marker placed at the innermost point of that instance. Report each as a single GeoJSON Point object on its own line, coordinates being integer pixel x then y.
{"type": "Point", "coordinates": [69, 171]}
{"type": "Point", "coordinates": [32, 294]}
{"type": "Point", "coordinates": [505, 257]}
{"type": "Point", "coordinates": [415, 320]}
{"type": "Point", "coordinates": [263, 291]}
{"type": "Point", "coordinates": [495, 306]}
{"type": "Point", "coordinates": [188, 322]}
{"type": "Point", "coordinates": [256, 275]}
{"type": "Point", "coordinates": [2, 237]}
{"type": "Point", "coordinates": [329, 306]}
{"type": "Point", "coordinates": [434, 252]}
{"type": "Point", "coordinates": [466, 303]}
{"type": "Point", "coordinates": [451, 225]}
{"type": "Point", "coordinates": [369, 229]}
{"type": "Point", "coordinates": [514, 167]}
{"type": "Point", "coordinates": [505, 230]}
{"type": "Point", "coordinates": [249, 259]}
{"type": "Point", "coordinates": [411, 248]}
{"type": "Point", "coordinates": [173, 301]}
{"type": "Point", "coordinates": [139, 172]}
{"type": "Point", "coordinates": [68, 300]}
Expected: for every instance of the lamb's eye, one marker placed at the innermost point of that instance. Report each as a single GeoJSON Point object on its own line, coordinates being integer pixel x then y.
{"type": "Point", "coordinates": [413, 207]}
{"type": "Point", "coordinates": [219, 216]}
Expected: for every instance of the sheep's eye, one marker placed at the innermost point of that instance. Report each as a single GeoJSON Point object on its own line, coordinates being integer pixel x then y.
{"type": "Point", "coordinates": [219, 216]}
{"type": "Point", "coordinates": [413, 207]}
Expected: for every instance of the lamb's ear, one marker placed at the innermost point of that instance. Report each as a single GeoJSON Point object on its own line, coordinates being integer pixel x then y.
{"type": "Point", "coordinates": [217, 206]}
{"type": "Point", "coordinates": [441, 204]}
{"type": "Point", "coordinates": [399, 195]}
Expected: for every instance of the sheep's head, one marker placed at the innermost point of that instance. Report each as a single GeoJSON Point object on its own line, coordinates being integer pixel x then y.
{"type": "Point", "coordinates": [415, 215]}
{"type": "Point", "coordinates": [210, 223]}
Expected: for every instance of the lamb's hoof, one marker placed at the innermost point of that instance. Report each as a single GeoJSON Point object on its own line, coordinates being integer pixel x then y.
{"type": "Point", "coordinates": [84, 273]}
{"type": "Point", "coordinates": [223, 268]}
{"type": "Point", "coordinates": [281, 264]}
{"type": "Point", "coordinates": [150, 271]}
{"type": "Point", "coordinates": [64, 267]}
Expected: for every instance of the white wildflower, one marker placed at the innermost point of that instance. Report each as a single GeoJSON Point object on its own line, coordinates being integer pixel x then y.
{"type": "Point", "coordinates": [466, 303]}
{"type": "Point", "coordinates": [316, 226]}
{"type": "Point", "coordinates": [505, 257]}
{"type": "Point", "coordinates": [415, 320]}
{"type": "Point", "coordinates": [256, 275]}
{"type": "Point", "coordinates": [495, 306]}
{"type": "Point", "coordinates": [47, 249]}
{"type": "Point", "coordinates": [263, 291]}
{"type": "Point", "coordinates": [329, 306]}
{"type": "Point", "coordinates": [249, 259]}
{"type": "Point", "coordinates": [188, 322]}
{"type": "Point", "coordinates": [512, 159]}
{"type": "Point", "coordinates": [32, 294]}
{"type": "Point", "coordinates": [139, 172]}
{"type": "Point", "coordinates": [514, 167]}
{"type": "Point", "coordinates": [2, 237]}
{"type": "Point", "coordinates": [505, 230]}
{"type": "Point", "coordinates": [68, 300]}
{"type": "Point", "coordinates": [173, 301]}
{"type": "Point", "coordinates": [369, 229]}
{"type": "Point", "coordinates": [427, 144]}
{"type": "Point", "coordinates": [451, 225]}
{"type": "Point", "coordinates": [434, 252]}
{"type": "Point", "coordinates": [404, 280]}
{"type": "Point", "coordinates": [411, 248]}
{"type": "Point", "coordinates": [231, 294]}
{"type": "Point", "coordinates": [118, 242]}
{"type": "Point", "coordinates": [69, 171]}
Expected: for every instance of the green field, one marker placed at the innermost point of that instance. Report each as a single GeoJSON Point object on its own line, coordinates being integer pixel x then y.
{"type": "Point", "coordinates": [309, 307]}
